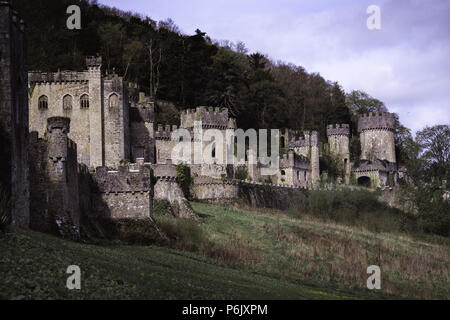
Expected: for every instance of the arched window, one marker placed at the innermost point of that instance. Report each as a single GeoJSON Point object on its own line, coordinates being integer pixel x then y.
{"type": "Point", "coordinates": [114, 101]}
{"type": "Point", "coordinates": [67, 102]}
{"type": "Point", "coordinates": [84, 101]}
{"type": "Point", "coordinates": [43, 103]}
{"type": "Point", "coordinates": [283, 173]}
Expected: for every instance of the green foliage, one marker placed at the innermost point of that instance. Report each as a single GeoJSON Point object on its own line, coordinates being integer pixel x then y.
{"type": "Point", "coordinates": [330, 162]}
{"type": "Point", "coordinates": [358, 208]}
{"type": "Point", "coordinates": [184, 178]}
{"type": "Point", "coordinates": [241, 173]}
{"type": "Point", "coordinates": [188, 70]}
{"type": "Point", "coordinates": [426, 202]}
{"type": "Point", "coordinates": [353, 179]}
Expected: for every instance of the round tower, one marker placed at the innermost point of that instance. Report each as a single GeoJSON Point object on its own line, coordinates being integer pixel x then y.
{"type": "Point", "coordinates": [376, 132]}
{"type": "Point", "coordinates": [339, 142]}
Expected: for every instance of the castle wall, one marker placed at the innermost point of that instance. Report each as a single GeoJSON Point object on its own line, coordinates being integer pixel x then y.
{"type": "Point", "coordinates": [14, 113]}
{"type": "Point", "coordinates": [142, 130]}
{"type": "Point", "coordinates": [116, 125]}
{"type": "Point", "coordinates": [206, 188]}
{"type": "Point", "coordinates": [339, 142]}
{"type": "Point", "coordinates": [126, 193]}
{"type": "Point", "coordinates": [377, 136]}
{"type": "Point", "coordinates": [377, 144]}
{"type": "Point", "coordinates": [55, 92]}
{"type": "Point", "coordinates": [96, 109]}
{"type": "Point", "coordinates": [54, 180]}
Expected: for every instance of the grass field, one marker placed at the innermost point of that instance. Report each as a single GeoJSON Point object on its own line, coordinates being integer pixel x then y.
{"type": "Point", "coordinates": [263, 256]}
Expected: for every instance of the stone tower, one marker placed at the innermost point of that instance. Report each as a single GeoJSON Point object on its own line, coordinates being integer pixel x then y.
{"type": "Point", "coordinates": [377, 136]}
{"type": "Point", "coordinates": [339, 142]}
{"type": "Point", "coordinates": [62, 173]}
{"type": "Point", "coordinates": [96, 129]}
{"type": "Point", "coordinates": [142, 127]}
{"type": "Point", "coordinates": [14, 113]}
{"type": "Point", "coordinates": [315, 170]}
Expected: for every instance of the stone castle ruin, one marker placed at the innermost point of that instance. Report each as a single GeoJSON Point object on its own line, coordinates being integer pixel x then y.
{"type": "Point", "coordinates": [91, 144]}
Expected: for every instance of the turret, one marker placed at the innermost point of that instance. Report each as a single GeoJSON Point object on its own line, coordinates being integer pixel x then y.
{"type": "Point", "coordinates": [377, 136]}
{"type": "Point", "coordinates": [339, 142]}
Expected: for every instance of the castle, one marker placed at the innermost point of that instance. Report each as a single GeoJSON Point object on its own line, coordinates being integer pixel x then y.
{"type": "Point", "coordinates": [94, 147]}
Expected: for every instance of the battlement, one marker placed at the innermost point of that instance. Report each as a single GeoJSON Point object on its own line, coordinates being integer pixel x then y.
{"type": "Point", "coordinates": [165, 171]}
{"type": "Point", "coordinates": [214, 118]}
{"type": "Point", "coordinates": [94, 62]}
{"type": "Point", "coordinates": [36, 77]}
{"type": "Point", "coordinates": [124, 180]}
{"type": "Point", "coordinates": [310, 139]}
{"type": "Point", "coordinates": [58, 123]}
{"type": "Point", "coordinates": [165, 132]}
{"type": "Point", "coordinates": [376, 120]}
{"type": "Point", "coordinates": [338, 129]}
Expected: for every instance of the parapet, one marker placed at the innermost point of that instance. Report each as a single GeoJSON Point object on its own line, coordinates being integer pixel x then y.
{"type": "Point", "coordinates": [165, 132]}
{"type": "Point", "coordinates": [311, 139]}
{"type": "Point", "coordinates": [58, 123]}
{"type": "Point", "coordinates": [376, 120]}
{"type": "Point", "coordinates": [165, 171]}
{"type": "Point", "coordinates": [124, 180]}
{"type": "Point", "coordinates": [94, 62]}
{"type": "Point", "coordinates": [338, 130]}
{"type": "Point", "coordinates": [57, 77]}
{"type": "Point", "coordinates": [211, 118]}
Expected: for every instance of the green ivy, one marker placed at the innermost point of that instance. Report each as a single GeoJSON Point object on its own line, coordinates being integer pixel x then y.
{"type": "Point", "coordinates": [184, 179]}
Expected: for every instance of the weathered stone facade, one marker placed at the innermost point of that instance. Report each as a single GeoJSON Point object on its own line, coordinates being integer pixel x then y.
{"type": "Point", "coordinates": [54, 180]}
{"type": "Point", "coordinates": [14, 113]}
{"type": "Point", "coordinates": [339, 142]}
{"type": "Point", "coordinates": [97, 106]}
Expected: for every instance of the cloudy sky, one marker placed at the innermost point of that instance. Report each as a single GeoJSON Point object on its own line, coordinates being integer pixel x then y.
{"type": "Point", "coordinates": [406, 63]}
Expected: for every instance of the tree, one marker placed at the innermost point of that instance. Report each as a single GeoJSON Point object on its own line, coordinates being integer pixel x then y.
{"type": "Point", "coordinates": [361, 103]}
{"type": "Point", "coordinates": [434, 143]}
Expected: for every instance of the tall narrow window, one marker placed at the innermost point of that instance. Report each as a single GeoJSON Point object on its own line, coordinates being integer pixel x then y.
{"type": "Point", "coordinates": [113, 101]}
{"type": "Point", "coordinates": [67, 102]}
{"type": "Point", "coordinates": [84, 101]}
{"type": "Point", "coordinates": [43, 103]}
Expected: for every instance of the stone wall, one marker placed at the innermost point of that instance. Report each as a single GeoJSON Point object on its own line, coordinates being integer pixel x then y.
{"type": "Point", "coordinates": [339, 142]}
{"type": "Point", "coordinates": [14, 113]}
{"type": "Point", "coordinates": [125, 193]}
{"type": "Point", "coordinates": [54, 181]}
{"type": "Point", "coordinates": [55, 92]}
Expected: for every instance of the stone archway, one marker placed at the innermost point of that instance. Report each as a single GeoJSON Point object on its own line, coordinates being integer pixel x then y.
{"type": "Point", "coordinates": [364, 181]}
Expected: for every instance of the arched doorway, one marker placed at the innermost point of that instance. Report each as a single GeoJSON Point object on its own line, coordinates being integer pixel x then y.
{"type": "Point", "coordinates": [364, 181]}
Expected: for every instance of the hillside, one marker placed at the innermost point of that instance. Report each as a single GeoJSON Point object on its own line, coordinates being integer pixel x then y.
{"type": "Point", "coordinates": [270, 256]}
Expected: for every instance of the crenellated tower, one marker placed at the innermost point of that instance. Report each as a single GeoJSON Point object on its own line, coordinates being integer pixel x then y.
{"type": "Point", "coordinates": [339, 142]}
{"type": "Point", "coordinates": [377, 136]}
{"type": "Point", "coordinates": [96, 106]}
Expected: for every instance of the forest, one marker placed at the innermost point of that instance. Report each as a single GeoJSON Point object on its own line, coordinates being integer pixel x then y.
{"type": "Point", "coordinates": [193, 70]}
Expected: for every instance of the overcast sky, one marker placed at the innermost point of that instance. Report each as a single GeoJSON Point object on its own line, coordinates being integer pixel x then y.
{"type": "Point", "coordinates": [406, 64]}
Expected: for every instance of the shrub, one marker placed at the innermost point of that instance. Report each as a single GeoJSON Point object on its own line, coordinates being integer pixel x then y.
{"type": "Point", "coordinates": [241, 173]}
{"type": "Point", "coordinates": [184, 179]}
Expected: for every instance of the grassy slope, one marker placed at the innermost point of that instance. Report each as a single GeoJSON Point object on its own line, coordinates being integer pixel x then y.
{"type": "Point", "coordinates": [32, 265]}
